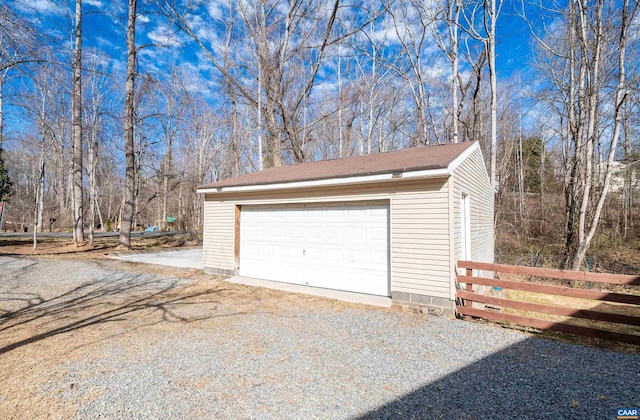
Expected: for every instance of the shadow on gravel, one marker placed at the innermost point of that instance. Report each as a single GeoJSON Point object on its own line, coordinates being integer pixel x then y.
{"type": "Point", "coordinates": [534, 378]}
{"type": "Point", "coordinates": [126, 297]}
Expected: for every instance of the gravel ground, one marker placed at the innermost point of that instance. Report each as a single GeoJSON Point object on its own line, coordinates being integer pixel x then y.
{"type": "Point", "coordinates": [107, 339]}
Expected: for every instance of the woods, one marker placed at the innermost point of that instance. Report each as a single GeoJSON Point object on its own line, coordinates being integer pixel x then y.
{"type": "Point", "coordinates": [111, 114]}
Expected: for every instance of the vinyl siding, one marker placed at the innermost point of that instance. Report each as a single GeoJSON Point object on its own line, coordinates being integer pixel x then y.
{"type": "Point", "coordinates": [217, 241]}
{"type": "Point", "coordinates": [471, 178]}
{"type": "Point", "coordinates": [419, 231]}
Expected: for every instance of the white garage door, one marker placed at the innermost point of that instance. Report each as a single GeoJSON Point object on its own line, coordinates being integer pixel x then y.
{"type": "Point", "coordinates": [335, 246]}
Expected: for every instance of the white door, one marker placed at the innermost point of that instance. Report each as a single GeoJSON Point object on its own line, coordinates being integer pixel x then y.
{"type": "Point", "coordinates": [335, 246]}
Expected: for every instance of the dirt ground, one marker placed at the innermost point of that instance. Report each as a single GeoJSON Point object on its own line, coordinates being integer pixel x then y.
{"type": "Point", "coordinates": [65, 248]}
{"type": "Point", "coordinates": [61, 308]}
{"type": "Point", "coordinates": [42, 329]}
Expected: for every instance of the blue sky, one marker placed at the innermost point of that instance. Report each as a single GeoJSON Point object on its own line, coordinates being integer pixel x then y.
{"type": "Point", "coordinates": [105, 30]}
{"type": "Point", "coordinates": [105, 21]}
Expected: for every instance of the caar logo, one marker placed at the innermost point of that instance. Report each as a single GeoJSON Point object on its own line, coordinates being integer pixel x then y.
{"type": "Point", "coordinates": [627, 413]}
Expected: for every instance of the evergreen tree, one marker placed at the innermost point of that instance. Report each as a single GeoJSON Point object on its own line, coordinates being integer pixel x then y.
{"type": "Point", "coordinates": [6, 185]}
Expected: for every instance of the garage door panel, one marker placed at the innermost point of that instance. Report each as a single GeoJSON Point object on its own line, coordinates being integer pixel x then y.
{"type": "Point", "coordinates": [279, 251]}
{"type": "Point", "coordinates": [316, 254]}
{"type": "Point", "coordinates": [357, 257]}
{"type": "Point", "coordinates": [278, 234]}
{"type": "Point", "coordinates": [335, 233]}
{"type": "Point", "coordinates": [379, 234]}
{"type": "Point", "coordinates": [379, 258]}
{"type": "Point", "coordinates": [263, 250]}
{"type": "Point", "coordinates": [314, 234]}
{"type": "Point", "coordinates": [335, 255]}
{"type": "Point", "coordinates": [296, 232]}
{"type": "Point", "coordinates": [336, 246]}
{"type": "Point", "coordinates": [294, 254]}
{"type": "Point", "coordinates": [357, 234]}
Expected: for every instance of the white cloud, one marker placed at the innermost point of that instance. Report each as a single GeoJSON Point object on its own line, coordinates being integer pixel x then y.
{"type": "Point", "coordinates": [438, 69]}
{"type": "Point", "coordinates": [96, 3]}
{"type": "Point", "coordinates": [216, 9]}
{"type": "Point", "coordinates": [164, 36]}
{"type": "Point", "coordinates": [104, 41]}
{"type": "Point", "coordinates": [41, 6]}
{"type": "Point", "coordinates": [193, 80]}
{"type": "Point", "coordinates": [143, 19]}
{"type": "Point", "coordinates": [206, 32]}
{"type": "Point", "coordinates": [386, 35]}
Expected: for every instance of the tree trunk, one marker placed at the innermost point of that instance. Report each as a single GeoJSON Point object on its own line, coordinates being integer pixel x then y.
{"type": "Point", "coordinates": [129, 183]}
{"type": "Point", "coordinates": [234, 134]}
{"type": "Point", "coordinates": [3, 209]}
{"type": "Point", "coordinates": [165, 192]}
{"type": "Point", "coordinates": [92, 186]}
{"type": "Point", "coordinates": [340, 129]}
{"type": "Point", "coordinates": [3, 204]}
{"type": "Point", "coordinates": [2, 109]}
{"type": "Point", "coordinates": [78, 227]}
{"type": "Point", "coordinates": [455, 83]}
{"type": "Point", "coordinates": [628, 178]}
{"type": "Point", "coordinates": [592, 101]}
{"type": "Point", "coordinates": [620, 97]}
{"type": "Point", "coordinates": [494, 95]}
{"type": "Point", "coordinates": [571, 164]}
{"type": "Point", "coordinates": [40, 219]}
{"type": "Point", "coordinates": [39, 207]}
{"type": "Point", "coordinates": [259, 112]}
{"type": "Point", "coordinates": [542, 182]}
{"type": "Point", "coordinates": [274, 143]}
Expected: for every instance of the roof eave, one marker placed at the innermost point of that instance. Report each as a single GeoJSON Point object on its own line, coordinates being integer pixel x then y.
{"type": "Point", "coordinates": [329, 182]}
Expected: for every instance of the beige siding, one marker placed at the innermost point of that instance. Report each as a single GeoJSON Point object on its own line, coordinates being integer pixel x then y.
{"type": "Point", "coordinates": [217, 242]}
{"type": "Point", "coordinates": [420, 234]}
{"type": "Point", "coordinates": [471, 178]}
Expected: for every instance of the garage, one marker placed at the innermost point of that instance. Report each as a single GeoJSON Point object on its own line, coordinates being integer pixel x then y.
{"type": "Point", "coordinates": [342, 246]}
{"type": "Point", "coordinates": [388, 226]}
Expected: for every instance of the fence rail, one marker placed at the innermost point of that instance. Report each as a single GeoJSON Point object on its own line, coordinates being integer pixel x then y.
{"type": "Point", "coordinates": [468, 296]}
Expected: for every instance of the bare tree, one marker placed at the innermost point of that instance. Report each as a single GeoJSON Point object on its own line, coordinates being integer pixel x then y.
{"type": "Point", "coordinates": [16, 49]}
{"type": "Point", "coordinates": [288, 44]}
{"type": "Point", "coordinates": [174, 100]}
{"type": "Point", "coordinates": [588, 53]}
{"type": "Point", "coordinates": [448, 39]}
{"type": "Point", "coordinates": [586, 228]}
{"type": "Point", "coordinates": [412, 21]}
{"type": "Point", "coordinates": [480, 21]}
{"type": "Point", "coordinates": [491, 15]}
{"type": "Point", "coordinates": [76, 167]}
{"type": "Point", "coordinates": [96, 88]}
{"type": "Point", "coordinates": [374, 71]}
{"type": "Point", "coordinates": [17, 41]}
{"type": "Point", "coordinates": [129, 120]}
{"type": "Point", "coordinates": [41, 104]}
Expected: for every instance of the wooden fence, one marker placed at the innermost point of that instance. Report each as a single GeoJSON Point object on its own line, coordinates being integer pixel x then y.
{"type": "Point", "coordinates": [468, 296]}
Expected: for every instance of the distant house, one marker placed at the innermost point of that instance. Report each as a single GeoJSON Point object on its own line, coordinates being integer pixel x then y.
{"type": "Point", "coordinates": [390, 224]}
{"type": "Point", "coordinates": [622, 175]}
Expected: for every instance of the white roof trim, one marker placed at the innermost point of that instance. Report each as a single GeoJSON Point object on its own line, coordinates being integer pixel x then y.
{"type": "Point", "coordinates": [427, 173]}
{"type": "Point", "coordinates": [462, 157]}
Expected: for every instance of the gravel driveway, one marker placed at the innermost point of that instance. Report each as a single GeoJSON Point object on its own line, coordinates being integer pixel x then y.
{"type": "Point", "coordinates": [109, 339]}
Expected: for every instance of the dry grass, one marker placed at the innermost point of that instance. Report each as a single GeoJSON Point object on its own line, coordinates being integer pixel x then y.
{"type": "Point", "coordinates": [38, 340]}
{"type": "Point", "coordinates": [577, 304]}
{"type": "Point", "coordinates": [64, 247]}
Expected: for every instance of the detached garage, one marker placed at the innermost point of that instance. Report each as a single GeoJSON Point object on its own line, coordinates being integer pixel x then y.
{"type": "Point", "coordinates": [390, 224]}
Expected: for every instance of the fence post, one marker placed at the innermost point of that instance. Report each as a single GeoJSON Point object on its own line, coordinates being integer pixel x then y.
{"type": "Point", "coordinates": [469, 287]}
